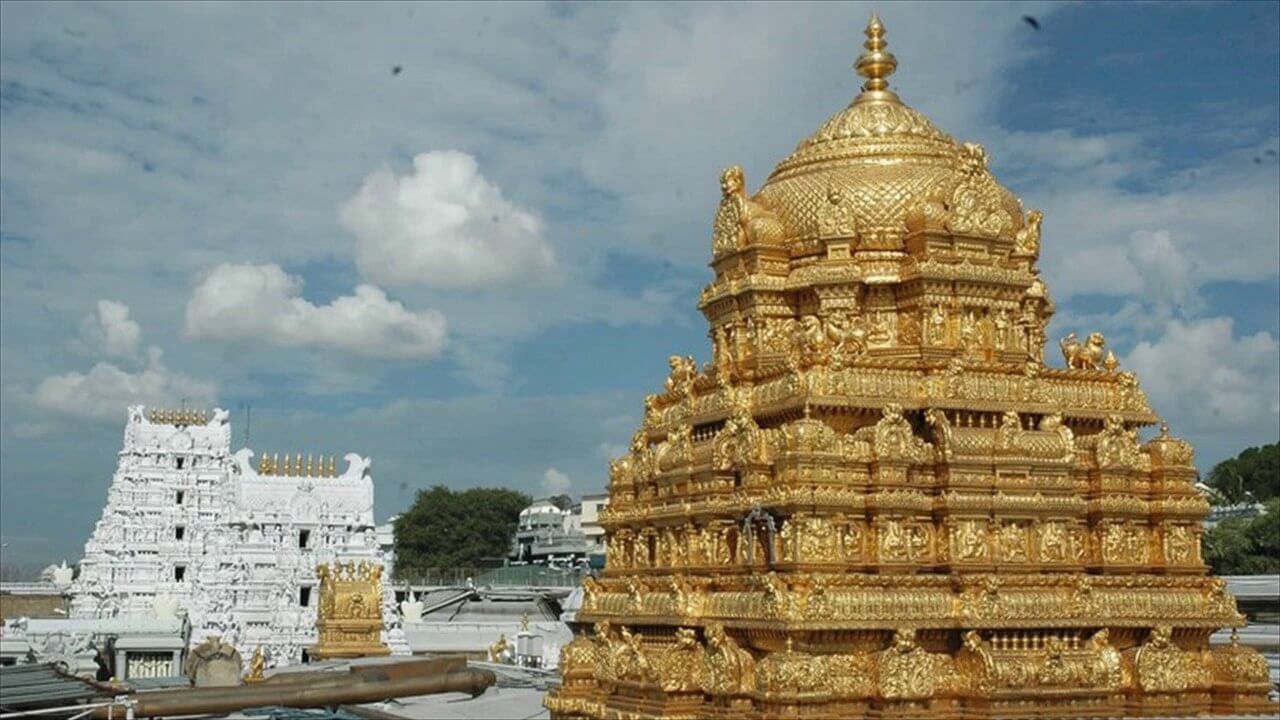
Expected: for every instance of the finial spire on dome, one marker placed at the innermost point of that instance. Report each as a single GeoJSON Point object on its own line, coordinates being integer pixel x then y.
{"type": "Point", "coordinates": [876, 64]}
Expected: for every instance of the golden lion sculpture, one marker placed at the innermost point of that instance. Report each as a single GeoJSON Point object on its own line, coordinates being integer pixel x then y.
{"type": "Point", "coordinates": [1083, 356]}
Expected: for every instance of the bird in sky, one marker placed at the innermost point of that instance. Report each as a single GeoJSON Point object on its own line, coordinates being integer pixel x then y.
{"type": "Point", "coordinates": [1031, 21]}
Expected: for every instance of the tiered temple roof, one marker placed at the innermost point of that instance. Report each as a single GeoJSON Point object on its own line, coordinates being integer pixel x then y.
{"type": "Point", "coordinates": [877, 498]}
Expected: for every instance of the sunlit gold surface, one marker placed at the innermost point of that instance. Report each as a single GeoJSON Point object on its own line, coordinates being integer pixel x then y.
{"type": "Point", "coordinates": [877, 498]}
{"type": "Point", "coordinates": [349, 621]}
{"type": "Point", "coordinates": [322, 466]}
{"type": "Point", "coordinates": [256, 667]}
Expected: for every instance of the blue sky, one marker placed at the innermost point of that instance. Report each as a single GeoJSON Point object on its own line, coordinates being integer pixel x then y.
{"type": "Point", "coordinates": [472, 270]}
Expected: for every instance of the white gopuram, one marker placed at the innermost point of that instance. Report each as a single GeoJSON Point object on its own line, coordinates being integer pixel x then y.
{"type": "Point", "coordinates": [191, 528]}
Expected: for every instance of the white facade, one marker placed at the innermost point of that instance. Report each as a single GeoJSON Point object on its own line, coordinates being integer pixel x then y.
{"type": "Point", "coordinates": [190, 528]}
{"type": "Point", "coordinates": [140, 647]}
{"type": "Point", "coordinates": [161, 510]}
{"type": "Point", "coordinates": [590, 523]}
{"type": "Point", "coordinates": [547, 534]}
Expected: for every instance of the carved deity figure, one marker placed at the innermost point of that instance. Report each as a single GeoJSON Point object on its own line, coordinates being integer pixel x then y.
{"type": "Point", "coordinates": [969, 334]}
{"type": "Point", "coordinates": [1053, 542]}
{"type": "Point", "coordinates": [881, 330]}
{"type": "Point", "coordinates": [976, 203]}
{"type": "Point", "coordinates": [730, 230]}
{"type": "Point", "coordinates": [902, 541]}
{"type": "Point", "coordinates": [632, 662]}
{"type": "Point", "coordinates": [1108, 666]}
{"type": "Point", "coordinates": [683, 666]}
{"type": "Point", "coordinates": [1027, 241]}
{"type": "Point", "coordinates": [605, 643]}
{"type": "Point", "coordinates": [971, 541]}
{"type": "Point", "coordinates": [847, 334]}
{"type": "Point", "coordinates": [1001, 323]}
{"type": "Point", "coordinates": [1178, 545]}
{"type": "Point", "coordinates": [739, 220]}
{"type": "Point", "coordinates": [817, 541]}
{"type": "Point", "coordinates": [683, 372]}
{"type": "Point", "coordinates": [722, 350]}
{"type": "Point", "coordinates": [730, 670]}
{"type": "Point", "coordinates": [835, 218]}
{"type": "Point", "coordinates": [1161, 665]}
{"type": "Point", "coordinates": [906, 671]}
{"type": "Point", "coordinates": [936, 327]}
{"type": "Point", "coordinates": [256, 666]}
{"type": "Point", "coordinates": [1013, 543]}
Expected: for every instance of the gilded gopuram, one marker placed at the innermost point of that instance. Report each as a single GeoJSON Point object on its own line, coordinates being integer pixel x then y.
{"type": "Point", "coordinates": [876, 499]}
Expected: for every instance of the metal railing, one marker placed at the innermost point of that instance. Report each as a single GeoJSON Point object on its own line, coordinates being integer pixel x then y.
{"type": "Point", "coordinates": [511, 576]}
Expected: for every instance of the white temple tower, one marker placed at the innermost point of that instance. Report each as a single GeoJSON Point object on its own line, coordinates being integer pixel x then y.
{"type": "Point", "coordinates": [190, 527]}
{"type": "Point", "coordinates": [162, 510]}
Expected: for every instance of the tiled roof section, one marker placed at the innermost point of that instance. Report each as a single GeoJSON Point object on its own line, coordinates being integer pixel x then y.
{"type": "Point", "coordinates": [26, 687]}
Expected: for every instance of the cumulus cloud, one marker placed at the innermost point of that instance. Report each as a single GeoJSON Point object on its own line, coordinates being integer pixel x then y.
{"type": "Point", "coordinates": [1168, 276]}
{"type": "Point", "coordinates": [106, 390]}
{"type": "Point", "coordinates": [444, 226]}
{"type": "Point", "coordinates": [238, 303]}
{"type": "Point", "coordinates": [555, 482]}
{"type": "Point", "coordinates": [1118, 223]}
{"type": "Point", "coordinates": [111, 332]}
{"type": "Point", "coordinates": [1225, 388]}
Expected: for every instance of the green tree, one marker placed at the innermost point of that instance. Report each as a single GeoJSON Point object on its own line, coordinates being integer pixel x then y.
{"type": "Point", "coordinates": [1255, 472]}
{"type": "Point", "coordinates": [1246, 546]}
{"type": "Point", "coordinates": [448, 529]}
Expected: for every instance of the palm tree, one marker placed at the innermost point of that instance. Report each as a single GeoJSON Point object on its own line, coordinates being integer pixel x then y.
{"type": "Point", "coordinates": [1229, 485]}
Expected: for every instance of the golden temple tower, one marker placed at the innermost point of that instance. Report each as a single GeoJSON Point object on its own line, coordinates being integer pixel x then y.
{"type": "Point", "coordinates": [876, 499]}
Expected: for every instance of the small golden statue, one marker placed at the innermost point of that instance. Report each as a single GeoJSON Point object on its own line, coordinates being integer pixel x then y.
{"type": "Point", "coordinates": [1027, 241]}
{"type": "Point", "coordinates": [499, 648]}
{"type": "Point", "coordinates": [1083, 356]}
{"type": "Point", "coordinates": [256, 666]}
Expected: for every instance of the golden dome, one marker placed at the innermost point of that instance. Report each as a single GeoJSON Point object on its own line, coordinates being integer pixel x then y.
{"type": "Point", "coordinates": [882, 157]}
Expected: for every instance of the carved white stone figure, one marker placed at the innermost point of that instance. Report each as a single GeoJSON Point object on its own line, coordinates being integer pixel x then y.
{"type": "Point", "coordinates": [411, 611]}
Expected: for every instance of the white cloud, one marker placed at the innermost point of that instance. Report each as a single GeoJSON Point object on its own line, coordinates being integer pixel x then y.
{"type": "Point", "coordinates": [105, 391]}
{"type": "Point", "coordinates": [260, 303]}
{"type": "Point", "coordinates": [33, 430]}
{"type": "Point", "coordinates": [445, 226]}
{"type": "Point", "coordinates": [690, 89]}
{"type": "Point", "coordinates": [555, 482]}
{"type": "Point", "coordinates": [1223, 388]}
{"type": "Point", "coordinates": [610, 451]}
{"type": "Point", "coordinates": [111, 332]}
{"type": "Point", "coordinates": [1168, 276]}
{"type": "Point", "coordinates": [1118, 223]}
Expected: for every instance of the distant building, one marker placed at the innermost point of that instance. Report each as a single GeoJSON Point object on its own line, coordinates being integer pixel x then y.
{"type": "Point", "coordinates": [1238, 511]}
{"type": "Point", "coordinates": [386, 533]}
{"type": "Point", "coordinates": [591, 506]}
{"type": "Point", "coordinates": [548, 534]}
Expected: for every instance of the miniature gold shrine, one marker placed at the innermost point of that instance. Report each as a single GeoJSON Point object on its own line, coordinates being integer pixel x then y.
{"type": "Point", "coordinates": [349, 621]}
{"type": "Point", "coordinates": [877, 499]}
